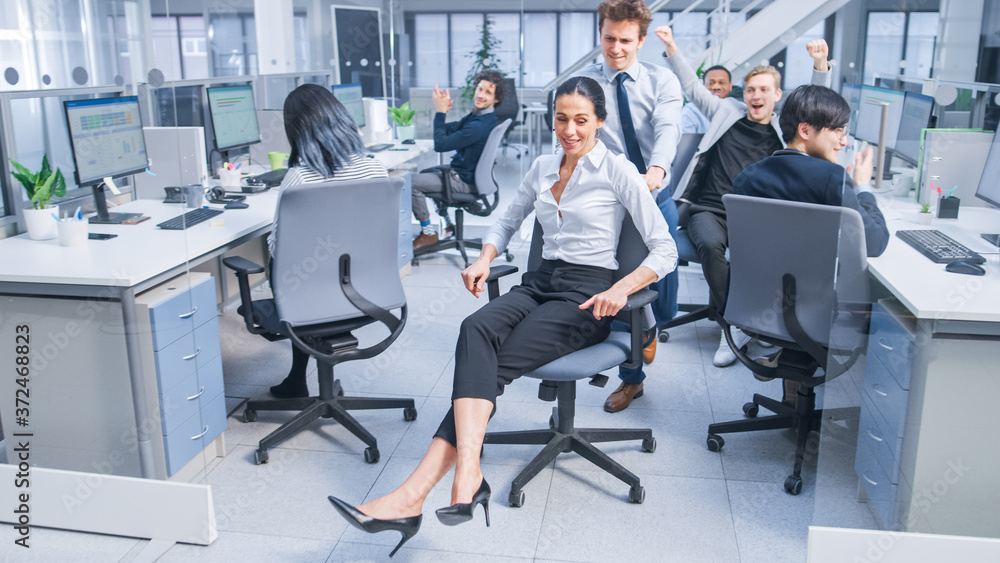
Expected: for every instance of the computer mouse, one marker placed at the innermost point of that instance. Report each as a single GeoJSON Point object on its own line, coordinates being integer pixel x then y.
{"type": "Point", "coordinates": [409, 142]}
{"type": "Point", "coordinates": [236, 205]}
{"type": "Point", "coordinates": [963, 267]}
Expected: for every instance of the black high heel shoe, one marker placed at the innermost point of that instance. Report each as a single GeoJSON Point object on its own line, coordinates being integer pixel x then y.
{"type": "Point", "coordinates": [457, 513]}
{"type": "Point", "coordinates": [408, 526]}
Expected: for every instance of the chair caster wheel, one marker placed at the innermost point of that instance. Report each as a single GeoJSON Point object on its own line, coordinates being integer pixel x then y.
{"type": "Point", "coordinates": [509, 257]}
{"type": "Point", "coordinates": [409, 414]}
{"type": "Point", "coordinates": [793, 484]}
{"type": "Point", "coordinates": [715, 442]}
{"type": "Point", "coordinates": [340, 392]}
{"type": "Point", "coordinates": [516, 499]}
{"type": "Point", "coordinates": [260, 457]}
{"type": "Point", "coordinates": [371, 455]}
{"type": "Point", "coordinates": [664, 336]}
{"type": "Point", "coordinates": [751, 410]}
{"type": "Point", "coordinates": [636, 496]}
{"type": "Point", "coordinates": [649, 445]}
{"type": "Point", "coordinates": [249, 415]}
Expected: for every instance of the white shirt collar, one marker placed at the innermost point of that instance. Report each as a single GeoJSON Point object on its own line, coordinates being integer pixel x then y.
{"type": "Point", "coordinates": [593, 159]}
{"type": "Point", "coordinates": [634, 71]}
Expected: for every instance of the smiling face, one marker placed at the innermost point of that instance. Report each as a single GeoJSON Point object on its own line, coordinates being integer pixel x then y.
{"type": "Point", "coordinates": [823, 143]}
{"type": "Point", "coordinates": [718, 82]}
{"type": "Point", "coordinates": [760, 93]}
{"type": "Point", "coordinates": [576, 124]}
{"type": "Point", "coordinates": [485, 95]}
{"type": "Point", "coordinates": [620, 43]}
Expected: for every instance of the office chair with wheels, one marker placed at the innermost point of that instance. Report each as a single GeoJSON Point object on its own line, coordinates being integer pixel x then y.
{"type": "Point", "coordinates": [559, 379]}
{"type": "Point", "coordinates": [480, 203]}
{"type": "Point", "coordinates": [686, 253]}
{"type": "Point", "coordinates": [797, 279]}
{"type": "Point", "coordinates": [334, 272]}
{"type": "Point", "coordinates": [510, 108]}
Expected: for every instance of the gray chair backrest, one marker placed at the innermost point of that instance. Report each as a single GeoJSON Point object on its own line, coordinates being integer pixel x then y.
{"type": "Point", "coordinates": [632, 250]}
{"type": "Point", "coordinates": [317, 223]}
{"type": "Point", "coordinates": [823, 246]}
{"type": "Point", "coordinates": [686, 148]}
{"type": "Point", "coordinates": [485, 183]}
{"type": "Point", "coordinates": [510, 107]}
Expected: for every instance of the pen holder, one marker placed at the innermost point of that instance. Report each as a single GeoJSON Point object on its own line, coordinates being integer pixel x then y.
{"type": "Point", "coordinates": [193, 195]}
{"type": "Point", "coordinates": [230, 178]}
{"type": "Point", "coordinates": [947, 208]}
{"type": "Point", "coordinates": [72, 232]}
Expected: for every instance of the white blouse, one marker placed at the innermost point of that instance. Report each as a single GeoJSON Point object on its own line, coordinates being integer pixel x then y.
{"type": "Point", "coordinates": [584, 226]}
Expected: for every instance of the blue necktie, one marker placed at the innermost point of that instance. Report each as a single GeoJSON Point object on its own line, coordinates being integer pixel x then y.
{"type": "Point", "coordinates": [628, 128]}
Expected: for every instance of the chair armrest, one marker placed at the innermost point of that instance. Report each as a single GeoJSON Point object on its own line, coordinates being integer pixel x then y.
{"type": "Point", "coordinates": [640, 298]}
{"type": "Point", "coordinates": [242, 266]}
{"type": "Point", "coordinates": [445, 174]}
{"type": "Point", "coordinates": [493, 280]}
{"type": "Point", "coordinates": [631, 313]}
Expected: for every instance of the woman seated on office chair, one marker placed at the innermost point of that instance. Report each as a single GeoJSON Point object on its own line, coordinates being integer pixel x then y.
{"type": "Point", "coordinates": [565, 305]}
{"type": "Point", "coordinates": [325, 146]}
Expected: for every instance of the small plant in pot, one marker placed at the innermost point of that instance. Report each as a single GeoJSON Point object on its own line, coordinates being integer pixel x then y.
{"type": "Point", "coordinates": [41, 187]}
{"type": "Point", "coordinates": [403, 118]}
{"type": "Point", "coordinates": [924, 215]}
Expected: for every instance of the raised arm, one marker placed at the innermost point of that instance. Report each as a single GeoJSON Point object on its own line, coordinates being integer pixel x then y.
{"type": "Point", "coordinates": [694, 89]}
{"type": "Point", "coordinates": [820, 53]}
{"type": "Point", "coordinates": [667, 124]}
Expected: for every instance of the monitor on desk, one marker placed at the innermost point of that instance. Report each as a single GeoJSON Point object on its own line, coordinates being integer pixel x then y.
{"type": "Point", "coordinates": [989, 183]}
{"type": "Point", "coordinates": [915, 117]}
{"type": "Point", "coordinates": [234, 117]}
{"type": "Point", "coordinates": [107, 141]}
{"type": "Point", "coordinates": [870, 115]}
{"type": "Point", "coordinates": [852, 93]}
{"type": "Point", "coordinates": [350, 96]}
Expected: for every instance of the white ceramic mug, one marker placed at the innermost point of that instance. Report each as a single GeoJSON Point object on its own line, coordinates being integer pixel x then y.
{"type": "Point", "coordinates": [73, 232]}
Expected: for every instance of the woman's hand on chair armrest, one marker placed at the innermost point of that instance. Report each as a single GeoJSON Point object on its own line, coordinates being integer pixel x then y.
{"type": "Point", "coordinates": [608, 303]}
{"type": "Point", "coordinates": [474, 277]}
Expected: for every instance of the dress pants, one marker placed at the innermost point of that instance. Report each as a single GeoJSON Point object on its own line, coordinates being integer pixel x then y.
{"type": "Point", "coordinates": [665, 306]}
{"type": "Point", "coordinates": [529, 326]}
{"type": "Point", "coordinates": [710, 237]}
{"type": "Point", "coordinates": [431, 182]}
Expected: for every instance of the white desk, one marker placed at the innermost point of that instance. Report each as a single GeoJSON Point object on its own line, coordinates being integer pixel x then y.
{"type": "Point", "coordinates": [535, 117]}
{"type": "Point", "coordinates": [926, 457]}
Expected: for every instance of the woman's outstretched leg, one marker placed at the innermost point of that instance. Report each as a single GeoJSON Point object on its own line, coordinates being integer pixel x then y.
{"type": "Point", "coordinates": [471, 416]}
{"type": "Point", "coordinates": [408, 498]}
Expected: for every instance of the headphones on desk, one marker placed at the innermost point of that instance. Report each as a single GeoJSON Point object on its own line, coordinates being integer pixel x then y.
{"type": "Point", "coordinates": [217, 195]}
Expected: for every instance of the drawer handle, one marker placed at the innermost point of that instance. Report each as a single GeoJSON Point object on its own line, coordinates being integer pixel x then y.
{"type": "Point", "coordinates": [879, 390]}
{"type": "Point", "coordinates": [200, 435]}
{"type": "Point", "coordinates": [870, 433]}
{"type": "Point", "coordinates": [863, 476]}
{"type": "Point", "coordinates": [881, 342]}
{"type": "Point", "coordinates": [200, 393]}
{"type": "Point", "coordinates": [188, 315]}
{"type": "Point", "coordinates": [193, 355]}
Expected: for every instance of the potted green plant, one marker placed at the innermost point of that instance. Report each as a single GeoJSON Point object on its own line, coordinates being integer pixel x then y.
{"type": "Point", "coordinates": [924, 215]}
{"type": "Point", "coordinates": [41, 186]}
{"type": "Point", "coordinates": [403, 118]}
{"type": "Point", "coordinates": [485, 57]}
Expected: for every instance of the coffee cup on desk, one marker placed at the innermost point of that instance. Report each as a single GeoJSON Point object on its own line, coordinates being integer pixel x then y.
{"type": "Point", "coordinates": [193, 195]}
{"type": "Point", "coordinates": [904, 182]}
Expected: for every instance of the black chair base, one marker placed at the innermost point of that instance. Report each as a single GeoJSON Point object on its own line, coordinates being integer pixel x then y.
{"type": "Point", "coordinates": [803, 418]}
{"type": "Point", "coordinates": [563, 436]}
{"type": "Point", "coordinates": [695, 313]}
{"type": "Point", "coordinates": [331, 403]}
{"type": "Point", "coordinates": [456, 242]}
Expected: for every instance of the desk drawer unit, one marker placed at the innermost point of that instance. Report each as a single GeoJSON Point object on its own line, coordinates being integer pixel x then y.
{"type": "Point", "coordinates": [186, 352]}
{"type": "Point", "coordinates": [405, 231]}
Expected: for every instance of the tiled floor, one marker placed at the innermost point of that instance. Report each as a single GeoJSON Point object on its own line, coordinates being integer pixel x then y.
{"type": "Point", "coordinates": [700, 506]}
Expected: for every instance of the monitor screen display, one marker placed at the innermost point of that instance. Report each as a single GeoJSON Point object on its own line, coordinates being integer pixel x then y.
{"type": "Point", "coordinates": [350, 96]}
{"type": "Point", "coordinates": [106, 137]}
{"type": "Point", "coordinates": [916, 115]}
{"type": "Point", "coordinates": [234, 116]}
{"type": "Point", "coordinates": [870, 115]}
{"type": "Point", "coordinates": [989, 183]}
{"type": "Point", "coordinates": [852, 93]}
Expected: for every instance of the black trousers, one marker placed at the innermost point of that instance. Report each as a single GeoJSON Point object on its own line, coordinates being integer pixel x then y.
{"type": "Point", "coordinates": [710, 237]}
{"type": "Point", "coordinates": [529, 326]}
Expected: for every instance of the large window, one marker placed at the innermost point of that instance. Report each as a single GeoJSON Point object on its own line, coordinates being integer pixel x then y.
{"type": "Point", "coordinates": [900, 42]}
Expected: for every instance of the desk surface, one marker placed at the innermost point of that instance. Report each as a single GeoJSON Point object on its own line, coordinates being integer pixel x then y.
{"type": "Point", "coordinates": [142, 252]}
{"type": "Point", "coordinates": [925, 288]}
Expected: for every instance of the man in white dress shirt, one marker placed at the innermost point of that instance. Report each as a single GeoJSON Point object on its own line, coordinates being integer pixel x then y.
{"type": "Point", "coordinates": [646, 129]}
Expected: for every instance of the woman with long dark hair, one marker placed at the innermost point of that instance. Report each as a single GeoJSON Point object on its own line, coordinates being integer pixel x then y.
{"type": "Point", "coordinates": [580, 198]}
{"type": "Point", "coordinates": [325, 146]}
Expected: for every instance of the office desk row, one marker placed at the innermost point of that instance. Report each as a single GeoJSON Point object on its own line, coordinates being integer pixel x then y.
{"type": "Point", "coordinates": [100, 316]}
{"type": "Point", "coordinates": [925, 457]}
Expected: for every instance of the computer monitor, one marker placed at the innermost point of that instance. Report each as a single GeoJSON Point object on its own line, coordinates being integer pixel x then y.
{"type": "Point", "coordinates": [870, 115]}
{"type": "Point", "coordinates": [350, 96]}
{"type": "Point", "coordinates": [106, 138]}
{"type": "Point", "coordinates": [915, 118]}
{"type": "Point", "coordinates": [234, 117]}
{"type": "Point", "coordinates": [852, 93]}
{"type": "Point", "coordinates": [989, 182]}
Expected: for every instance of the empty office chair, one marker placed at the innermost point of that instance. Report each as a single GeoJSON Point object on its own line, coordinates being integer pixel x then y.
{"type": "Point", "coordinates": [798, 279]}
{"type": "Point", "coordinates": [510, 109]}
{"type": "Point", "coordinates": [334, 272]}
{"type": "Point", "coordinates": [480, 203]}
{"type": "Point", "coordinates": [686, 253]}
{"type": "Point", "coordinates": [559, 379]}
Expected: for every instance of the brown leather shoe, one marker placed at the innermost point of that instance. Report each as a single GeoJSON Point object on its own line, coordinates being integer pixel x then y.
{"type": "Point", "coordinates": [649, 352]}
{"type": "Point", "coordinates": [424, 240]}
{"type": "Point", "coordinates": [622, 397]}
